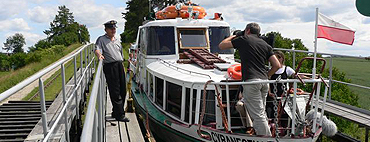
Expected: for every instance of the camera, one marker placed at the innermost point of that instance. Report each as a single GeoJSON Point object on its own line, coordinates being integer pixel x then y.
{"type": "Point", "coordinates": [238, 33]}
{"type": "Point", "coordinates": [268, 38]}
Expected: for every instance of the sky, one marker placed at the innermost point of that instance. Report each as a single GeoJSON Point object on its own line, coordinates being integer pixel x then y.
{"type": "Point", "coordinates": [294, 19]}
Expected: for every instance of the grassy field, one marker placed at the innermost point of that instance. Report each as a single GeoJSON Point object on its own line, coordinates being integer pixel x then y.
{"type": "Point", "coordinates": [358, 70]}
{"type": "Point", "coordinates": [11, 78]}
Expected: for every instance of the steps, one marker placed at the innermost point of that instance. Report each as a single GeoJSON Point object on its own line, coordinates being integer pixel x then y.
{"type": "Point", "coordinates": [18, 118]}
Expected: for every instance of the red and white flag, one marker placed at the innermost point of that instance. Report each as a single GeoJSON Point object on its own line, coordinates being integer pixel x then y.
{"type": "Point", "coordinates": [334, 31]}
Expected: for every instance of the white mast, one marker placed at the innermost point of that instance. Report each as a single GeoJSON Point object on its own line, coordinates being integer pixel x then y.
{"type": "Point", "coordinates": [315, 48]}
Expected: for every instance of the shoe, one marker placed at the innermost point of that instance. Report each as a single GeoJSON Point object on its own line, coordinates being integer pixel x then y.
{"type": "Point", "coordinates": [122, 118]}
{"type": "Point", "coordinates": [250, 131]}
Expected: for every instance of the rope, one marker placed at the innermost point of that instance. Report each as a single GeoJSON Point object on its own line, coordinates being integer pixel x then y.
{"type": "Point", "coordinates": [224, 119]}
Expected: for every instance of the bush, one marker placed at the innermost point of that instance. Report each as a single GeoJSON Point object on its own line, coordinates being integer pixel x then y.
{"type": "Point", "coordinates": [33, 57]}
{"type": "Point", "coordinates": [18, 60]}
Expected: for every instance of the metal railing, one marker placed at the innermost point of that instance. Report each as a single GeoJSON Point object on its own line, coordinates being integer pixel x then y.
{"type": "Point", "coordinates": [94, 125]}
{"type": "Point", "coordinates": [87, 70]}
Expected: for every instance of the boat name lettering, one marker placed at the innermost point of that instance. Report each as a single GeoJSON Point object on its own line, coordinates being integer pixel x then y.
{"type": "Point", "coordinates": [217, 137]}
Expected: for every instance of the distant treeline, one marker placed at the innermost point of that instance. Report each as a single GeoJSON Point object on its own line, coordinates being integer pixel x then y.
{"type": "Point", "coordinates": [63, 32]}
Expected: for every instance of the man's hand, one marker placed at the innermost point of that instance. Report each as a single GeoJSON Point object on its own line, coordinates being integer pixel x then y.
{"type": "Point", "coordinates": [101, 57]}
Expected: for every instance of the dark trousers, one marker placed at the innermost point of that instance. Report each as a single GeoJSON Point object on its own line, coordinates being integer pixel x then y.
{"type": "Point", "coordinates": [115, 77]}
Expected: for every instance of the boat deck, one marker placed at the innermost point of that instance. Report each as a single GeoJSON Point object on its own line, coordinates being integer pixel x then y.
{"type": "Point", "coordinates": [122, 131]}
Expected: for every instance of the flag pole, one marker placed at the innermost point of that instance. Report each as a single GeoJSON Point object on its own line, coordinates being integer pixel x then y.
{"type": "Point", "coordinates": [315, 48]}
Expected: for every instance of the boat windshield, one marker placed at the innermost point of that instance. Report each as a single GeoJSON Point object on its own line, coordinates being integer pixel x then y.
{"type": "Point", "coordinates": [161, 41]}
{"type": "Point", "coordinates": [216, 35]}
{"type": "Point", "coordinates": [193, 38]}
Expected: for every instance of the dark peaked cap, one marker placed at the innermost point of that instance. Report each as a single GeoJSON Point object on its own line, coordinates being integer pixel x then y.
{"type": "Point", "coordinates": [110, 24]}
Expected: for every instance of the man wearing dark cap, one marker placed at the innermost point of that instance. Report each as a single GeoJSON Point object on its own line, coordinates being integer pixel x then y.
{"type": "Point", "coordinates": [254, 53]}
{"type": "Point", "coordinates": [109, 49]}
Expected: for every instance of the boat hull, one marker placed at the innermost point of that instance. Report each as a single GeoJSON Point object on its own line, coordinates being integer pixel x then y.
{"type": "Point", "coordinates": [166, 129]}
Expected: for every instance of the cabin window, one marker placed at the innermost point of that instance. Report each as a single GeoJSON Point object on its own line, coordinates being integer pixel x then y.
{"type": "Point", "coordinates": [150, 85]}
{"type": "Point", "coordinates": [161, 41]}
{"type": "Point", "coordinates": [234, 98]}
{"type": "Point", "coordinates": [142, 40]}
{"type": "Point", "coordinates": [192, 38]}
{"type": "Point", "coordinates": [216, 35]}
{"type": "Point", "coordinates": [194, 106]}
{"type": "Point", "coordinates": [210, 114]}
{"type": "Point", "coordinates": [187, 104]}
{"type": "Point", "coordinates": [159, 91]}
{"type": "Point", "coordinates": [174, 93]}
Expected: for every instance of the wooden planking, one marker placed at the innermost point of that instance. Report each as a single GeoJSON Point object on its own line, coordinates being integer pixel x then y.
{"type": "Point", "coordinates": [130, 131]}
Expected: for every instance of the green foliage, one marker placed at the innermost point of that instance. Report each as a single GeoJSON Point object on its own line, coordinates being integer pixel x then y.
{"type": "Point", "coordinates": [15, 43]}
{"type": "Point", "coordinates": [4, 62]}
{"type": "Point", "coordinates": [65, 31]}
{"type": "Point", "coordinates": [33, 57]}
{"type": "Point", "coordinates": [18, 60]}
{"type": "Point", "coordinates": [12, 78]}
{"type": "Point", "coordinates": [136, 11]}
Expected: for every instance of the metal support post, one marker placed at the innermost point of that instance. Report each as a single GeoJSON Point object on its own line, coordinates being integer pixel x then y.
{"type": "Point", "coordinates": [64, 102]}
{"type": "Point", "coordinates": [366, 134]}
{"type": "Point", "coordinates": [294, 107]}
{"type": "Point", "coordinates": [43, 107]}
{"type": "Point", "coordinates": [330, 75]}
{"type": "Point", "coordinates": [75, 90]}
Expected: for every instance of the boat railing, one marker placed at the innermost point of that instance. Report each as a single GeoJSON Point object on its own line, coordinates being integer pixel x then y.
{"type": "Point", "coordinates": [316, 97]}
{"type": "Point", "coordinates": [331, 56]}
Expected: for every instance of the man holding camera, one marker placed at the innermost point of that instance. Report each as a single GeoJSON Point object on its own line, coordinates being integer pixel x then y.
{"type": "Point", "coordinates": [254, 52]}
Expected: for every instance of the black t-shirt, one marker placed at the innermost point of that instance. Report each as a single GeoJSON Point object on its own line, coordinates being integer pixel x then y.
{"type": "Point", "coordinates": [254, 53]}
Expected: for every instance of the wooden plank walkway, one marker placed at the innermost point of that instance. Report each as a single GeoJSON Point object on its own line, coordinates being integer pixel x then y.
{"type": "Point", "coordinates": [128, 131]}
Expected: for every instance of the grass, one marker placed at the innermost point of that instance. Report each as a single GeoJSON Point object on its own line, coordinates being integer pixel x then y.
{"type": "Point", "coordinates": [14, 77]}
{"type": "Point", "coordinates": [55, 87]}
{"type": "Point", "coordinates": [358, 70]}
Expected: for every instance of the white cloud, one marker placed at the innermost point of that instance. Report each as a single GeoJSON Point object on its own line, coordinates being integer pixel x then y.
{"type": "Point", "coordinates": [93, 15]}
{"type": "Point", "coordinates": [31, 38]}
{"type": "Point", "coordinates": [42, 14]}
{"type": "Point", "coordinates": [17, 24]}
{"type": "Point", "coordinates": [10, 8]}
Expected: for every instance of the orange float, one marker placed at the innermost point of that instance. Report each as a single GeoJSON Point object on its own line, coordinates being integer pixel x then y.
{"type": "Point", "coordinates": [170, 12]}
{"type": "Point", "coordinates": [235, 71]}
{"type": "Point", "coordinates": [299, 91]}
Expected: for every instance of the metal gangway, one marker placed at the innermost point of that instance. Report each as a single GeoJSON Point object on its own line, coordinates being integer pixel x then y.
{"type": "Point", "coordinates": [56, 123]}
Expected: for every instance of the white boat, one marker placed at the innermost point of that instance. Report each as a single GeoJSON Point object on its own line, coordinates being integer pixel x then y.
{"type": "Point", "coordinates": [170, 72]}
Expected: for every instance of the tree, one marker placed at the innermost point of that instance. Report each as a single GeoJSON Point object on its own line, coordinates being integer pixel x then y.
{"type": "Point", "coordinates": [65, 31]}
{"type": "Point", "coordinates": [15, 43]}
{"type": "Point", "coordinates": [137, 11]}
{"type": "Point", "coordinates": [60, 22]}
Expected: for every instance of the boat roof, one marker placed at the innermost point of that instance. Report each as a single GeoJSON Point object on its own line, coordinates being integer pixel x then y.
{"type": "Point", "coordinates": [186, 72]}
{"type": "Point", "coordinates": [178, 22]}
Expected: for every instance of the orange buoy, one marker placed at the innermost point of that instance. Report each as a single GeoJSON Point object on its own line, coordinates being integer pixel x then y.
{"type": "Point", "coordinates": [299, 91]}
{"type": "Point", "coordinates": [235, 71]}
{"type": "Point", "coordinates": [170, 12]}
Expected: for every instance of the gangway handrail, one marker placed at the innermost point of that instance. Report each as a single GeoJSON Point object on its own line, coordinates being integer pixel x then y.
{"type": "Point", "coordinates": [90, 129]}
{"type": "Point", "coordinates": [86, 72]}
{"type": "Point", "coordinates": [66, 104]}
{"type": "Point", "coordinates": [36, 76]}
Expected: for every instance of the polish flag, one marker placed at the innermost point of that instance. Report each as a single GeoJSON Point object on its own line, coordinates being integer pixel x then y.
{"type": "Point", "coordinates": [334, 31]}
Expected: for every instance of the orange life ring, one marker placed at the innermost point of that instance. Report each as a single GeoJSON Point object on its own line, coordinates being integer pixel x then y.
{"type": "Point", "coordinates": [170, 12]}
{"type": "Point", "coordinates": [299, 91]}
{"type": "Point", "coordinates": [235, 71]}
